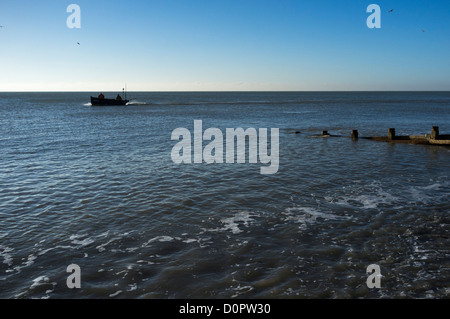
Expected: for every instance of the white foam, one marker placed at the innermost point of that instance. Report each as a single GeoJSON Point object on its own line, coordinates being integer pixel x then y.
{"type": "Point", "coordinates": [115, 294]}
{"type": "Point", "coordinates": [132, 287]}
{"type": "Point", "coordinates": [232, 223]}
{"type": "Point", "coordinates": [102, 248]}
{"type": "Point", "coordinates": [104, 234]}
{"type": "Point", "coordinates": [5, 253]}
{"type": "Point", "coordinates": [84, 242]}
{"type": "Point", "coordinates": [241, 290]}
{"type": "Point", "coordinates": [372, 200]}
{"type": "Point", "coordinates": [39, 281]}
{"type": "Point", "coordinates": [308, 215]}
{"type": "Point", "coordinates": [137, 103]}
{"type": "Point", "coordinates": [78, 240]}
{"type": "Point", "coordinates": [160, 239]}
{"type": "Point", "coordinates": [30, 260]}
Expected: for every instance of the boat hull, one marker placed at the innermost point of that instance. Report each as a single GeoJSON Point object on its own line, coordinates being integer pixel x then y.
{"type": "Point", "coordinates": [107, 102]}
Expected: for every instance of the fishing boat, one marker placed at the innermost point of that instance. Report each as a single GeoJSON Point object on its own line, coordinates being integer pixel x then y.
{"type": "Point", "coordinates": [102, 101]}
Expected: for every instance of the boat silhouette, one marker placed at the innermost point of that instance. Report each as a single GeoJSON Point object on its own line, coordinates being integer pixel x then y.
{"type": "Point", "coordinates": [102, 101]}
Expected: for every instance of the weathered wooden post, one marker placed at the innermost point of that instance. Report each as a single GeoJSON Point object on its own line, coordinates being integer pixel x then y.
{"type": "Point", "coordinates": [391, 134]}
{"type": "Point", "coordinates": [435, 132]}
{"type": "Point", "coordinates": [325, 133]}
{"type": "Point", "coordinates": [354, 134]}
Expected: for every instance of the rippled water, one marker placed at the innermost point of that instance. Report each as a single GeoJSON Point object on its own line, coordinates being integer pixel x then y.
{"type": "Point", "coordinates": [97, 187]}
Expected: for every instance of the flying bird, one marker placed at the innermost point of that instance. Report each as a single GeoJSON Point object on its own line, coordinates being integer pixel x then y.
{"type": "Point", "coordinates": [391, 10]}
{"type": "Point", "coordinates": [78, 43]}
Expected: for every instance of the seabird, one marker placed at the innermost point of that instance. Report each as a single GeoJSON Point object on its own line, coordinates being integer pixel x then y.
{"type": "Point", "coordinates": [391, 10]}
{"type": "Point", "coordinates": [78, 43]}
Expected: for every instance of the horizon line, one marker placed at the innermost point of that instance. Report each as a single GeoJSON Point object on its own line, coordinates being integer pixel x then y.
{"type": "Point", "coordinates": [221, 91]}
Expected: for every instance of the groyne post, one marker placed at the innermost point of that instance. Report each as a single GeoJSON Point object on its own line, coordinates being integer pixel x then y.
{"type": "Point", "coordinates": [391, 134]}
{"type": "Point", "coordinates": [354, 134]}
{"type": "Point", "coordinates": [435, 132]}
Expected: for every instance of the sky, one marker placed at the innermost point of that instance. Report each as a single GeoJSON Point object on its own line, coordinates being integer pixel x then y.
{"type": "Point", "coordinates": [224, 45]}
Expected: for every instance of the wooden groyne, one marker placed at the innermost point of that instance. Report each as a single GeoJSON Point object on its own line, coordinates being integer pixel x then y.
{"type": "Point", "coordinates": [435, 138]}
{"type": "Point", "coordinates": [428, 139]}
{"type": "Point", "coordinates": [393, 138]}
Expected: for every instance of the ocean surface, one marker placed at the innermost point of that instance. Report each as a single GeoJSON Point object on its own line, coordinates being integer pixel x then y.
{"type": "Point", "coordinates": [96, 187]}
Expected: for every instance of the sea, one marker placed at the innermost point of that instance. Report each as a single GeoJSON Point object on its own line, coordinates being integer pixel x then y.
{"type": "Point", "coordinates": [96, 188]}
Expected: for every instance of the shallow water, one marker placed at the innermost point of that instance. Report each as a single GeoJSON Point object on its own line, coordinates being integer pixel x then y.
{"type": "Point", "coordinates": [97, 187]}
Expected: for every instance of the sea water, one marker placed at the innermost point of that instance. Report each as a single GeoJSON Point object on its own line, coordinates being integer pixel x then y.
{"type": "Point", "coordinates": [96, 187]}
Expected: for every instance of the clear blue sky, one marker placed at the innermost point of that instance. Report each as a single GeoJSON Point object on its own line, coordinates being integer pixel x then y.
{"type": "Point", "coordinates": [204, 45]}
